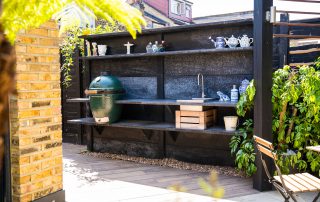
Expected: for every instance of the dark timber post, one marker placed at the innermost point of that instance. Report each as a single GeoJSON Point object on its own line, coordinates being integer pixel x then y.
{"type": "Point", "coordinates": [283, 42]}
{"type": "Point", "coordinates": [263, 81]}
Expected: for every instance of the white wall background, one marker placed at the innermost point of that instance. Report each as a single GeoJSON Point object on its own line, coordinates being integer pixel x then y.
{"type": "Point", "coordinates": [215, 7]}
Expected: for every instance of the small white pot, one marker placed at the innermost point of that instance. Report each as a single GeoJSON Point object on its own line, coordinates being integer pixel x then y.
{"type": "Point", "coordinates": [102, 50]}
{"type": "Point", "coordinates": [231, 123]}
{"type": "Point", "coordinates": [102, 120]}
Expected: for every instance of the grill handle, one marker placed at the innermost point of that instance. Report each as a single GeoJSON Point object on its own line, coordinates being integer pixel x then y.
{"type": "Point", "coordinates": [97, 92]}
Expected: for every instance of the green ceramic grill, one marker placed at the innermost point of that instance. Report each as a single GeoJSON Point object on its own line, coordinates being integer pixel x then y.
{"type": "Point", "coordinates": [103, 92]}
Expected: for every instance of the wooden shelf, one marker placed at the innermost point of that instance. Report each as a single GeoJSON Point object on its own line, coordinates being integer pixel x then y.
{"type": "Point", "coordinates": [182, 28]}
{"type": "Point", "coordinates": [174, 102]}
{"type": "Point", "coordinates": [150, 125]}
{"type": "Point", "coordinates": [168, 53]}
{"type": "Point", "coordinates": [81, 100]}
{"type": "Point", "coordinates": [163, 102]}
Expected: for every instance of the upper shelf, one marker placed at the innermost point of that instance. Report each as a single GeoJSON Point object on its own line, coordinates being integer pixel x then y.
{"type": "Point", "coordinates": [168, 53]}
{"type": "Point", "coordinates": [227, 23]}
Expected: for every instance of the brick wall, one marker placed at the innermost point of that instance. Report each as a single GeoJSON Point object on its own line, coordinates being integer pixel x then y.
{"type": "Point", "coordinates": [35, 115]}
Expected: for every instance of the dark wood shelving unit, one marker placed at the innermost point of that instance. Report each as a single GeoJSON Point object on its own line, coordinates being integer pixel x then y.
{"type": "Point", "coordinates": [161, 102]}
{"type": "Point", "coordinates": [168, 53]}
{"type": "Point", "coordinates": [155, 81]}
{"type": "Point", "coordinates": [151, 125]}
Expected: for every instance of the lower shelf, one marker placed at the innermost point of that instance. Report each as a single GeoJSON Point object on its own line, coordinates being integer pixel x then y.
{"type": "Point", "coordinates": [151, 125]}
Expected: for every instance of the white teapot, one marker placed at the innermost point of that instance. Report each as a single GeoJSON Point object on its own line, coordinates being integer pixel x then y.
{"type": "Point", "coordinates": [232, 42]}
{"type": "Point", "coordinates": [245, 41]}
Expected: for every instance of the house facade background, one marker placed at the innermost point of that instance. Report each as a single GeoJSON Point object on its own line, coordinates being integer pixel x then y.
{"type": "Point", "coordinates": [163, 13]}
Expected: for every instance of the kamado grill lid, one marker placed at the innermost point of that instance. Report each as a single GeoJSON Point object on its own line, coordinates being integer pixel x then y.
{"type": "Point", "coordinates": [106, 84]}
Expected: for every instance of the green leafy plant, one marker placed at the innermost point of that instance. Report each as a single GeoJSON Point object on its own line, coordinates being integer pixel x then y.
{"type": "Point", "coordinates": [296, 120]}
{"type": "Point", "coordinates": [241, 144]}
{"type": "Point", "coordinates": [72, 41]}
{"type": "Point", "coordinates": [242, 147]}
{"type": "Point", "coordinates": [246, 101]}
{"type": "Point", "coordinates": [67, 49]}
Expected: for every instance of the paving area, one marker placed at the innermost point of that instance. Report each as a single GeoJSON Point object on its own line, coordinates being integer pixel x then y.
{"type": "Point", "coordinates": [95, 179]}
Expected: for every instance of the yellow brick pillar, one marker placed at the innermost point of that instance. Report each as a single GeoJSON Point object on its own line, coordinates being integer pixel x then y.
{"type": "Point", "coordinates": [35, 116]}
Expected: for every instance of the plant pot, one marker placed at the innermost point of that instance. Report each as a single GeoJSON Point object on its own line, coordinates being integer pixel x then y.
{"type": "Point", "coordinates": [102, 49]}
{"type": "Point", "coordinates": [231, 123]}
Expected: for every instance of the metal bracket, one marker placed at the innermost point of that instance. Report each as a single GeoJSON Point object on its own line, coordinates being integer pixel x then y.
{"type": "Point", "coordinates": [271, 16]}
{"type": "Point", "coordinates": [99, 129]}
{"type": "Point", "coordinates": [174, 135]}
{"type": "Point", "coordinates": [148, 134]}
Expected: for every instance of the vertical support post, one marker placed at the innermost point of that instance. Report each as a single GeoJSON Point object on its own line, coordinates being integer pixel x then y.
{"type": "Point", "coordinates": [283, 42]}
{"type": "Point", "coordinates": [263, 31]}
{"type": "Point", "coordinates": [7, 167]}
{"type": "Point", "coordinates": [88, 130]}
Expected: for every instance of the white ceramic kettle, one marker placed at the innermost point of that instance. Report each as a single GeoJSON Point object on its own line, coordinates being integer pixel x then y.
{"type": "Point", "coordinates": [245, 41]}
{"type": "Point", "coordinates": [232, 42]}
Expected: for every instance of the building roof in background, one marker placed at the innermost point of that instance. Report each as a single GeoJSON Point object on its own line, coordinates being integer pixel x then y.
{"type": "Point", "coordinates": [224, 17]}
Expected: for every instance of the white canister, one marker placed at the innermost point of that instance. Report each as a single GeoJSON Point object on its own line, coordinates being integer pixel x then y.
{"type": "Point", "coordinates": [230, 123]}
{"type": "Point", "coordinates": [102, 50]}
{"type": "Point", "coordinates": [234, 94]}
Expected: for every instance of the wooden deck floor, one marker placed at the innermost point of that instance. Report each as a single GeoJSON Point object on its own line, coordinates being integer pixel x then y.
{"type": "Point", "coordinates": [91, 170]}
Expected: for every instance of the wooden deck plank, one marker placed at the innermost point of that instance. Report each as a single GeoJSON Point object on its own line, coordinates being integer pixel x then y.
{"type": "Point", "coordinates": [94, 169]}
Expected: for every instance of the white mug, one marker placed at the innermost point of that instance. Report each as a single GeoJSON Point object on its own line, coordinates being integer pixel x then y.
{"type": "Point", "coordinates": [102, 49]}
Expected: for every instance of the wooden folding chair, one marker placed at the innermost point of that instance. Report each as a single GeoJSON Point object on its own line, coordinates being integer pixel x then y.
{"type": "Point", "coordinates": [287, 185]}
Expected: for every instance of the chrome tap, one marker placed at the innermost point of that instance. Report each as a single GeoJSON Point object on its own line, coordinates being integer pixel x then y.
{"type": "Point", "coordinates": [202, 85]}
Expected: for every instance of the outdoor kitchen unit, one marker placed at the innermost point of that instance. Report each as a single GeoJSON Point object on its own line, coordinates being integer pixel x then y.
{"type": "Point", "coordinates": [158, 85]}
{"type": "Point", "coordinates": [103, 92]}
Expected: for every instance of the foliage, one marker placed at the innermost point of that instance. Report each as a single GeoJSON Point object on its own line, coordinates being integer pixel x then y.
{"type": "Point", "coordinates": [212, 187]}
{"type": "Point", "coordinates": [72, 41]}
{"type": "Point", "coordinates": [18, 15]}
{"type": "Point", "coordinates": [242, 147]}
{"type": "Point", "coordinates": [296, 115]}
{"type": "Point", "coordinates": [317, 64]}
{"type": "Point", "coordinates": [246, 100]}
{"type": "Point", "coordinates": [241, 144]}
{"type": "Point", "coordinates": [67, 48]}
{"type": "Point", "coordinates": [296, 119]}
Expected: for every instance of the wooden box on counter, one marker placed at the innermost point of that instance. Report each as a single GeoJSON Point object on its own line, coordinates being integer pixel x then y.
{"type": "Point", "coordinates": [195, 117]}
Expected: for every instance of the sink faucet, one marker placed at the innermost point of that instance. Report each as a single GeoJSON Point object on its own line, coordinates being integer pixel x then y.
{"type": "Point", "coordinates": [202, 86]}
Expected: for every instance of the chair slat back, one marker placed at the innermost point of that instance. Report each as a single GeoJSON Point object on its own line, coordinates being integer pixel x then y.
{"type": "Point", "coordinates": [263, 142]}
{"type": "Point", "coordinates": [267, 152]}
{"type": "Point", "coordinates": [265, 147]}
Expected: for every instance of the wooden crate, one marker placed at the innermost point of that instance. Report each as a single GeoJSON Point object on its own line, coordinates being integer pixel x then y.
{"type": "Point", "coordinates": [195, 119]}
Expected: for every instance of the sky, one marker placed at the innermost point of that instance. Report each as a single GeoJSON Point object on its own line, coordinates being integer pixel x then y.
{"type": "Point", "coordinates": [215, 7]}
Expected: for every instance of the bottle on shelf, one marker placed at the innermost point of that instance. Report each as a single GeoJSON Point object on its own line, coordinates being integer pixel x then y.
{"type": "Point", "coordinates": [162, 46]}
{"type": "Point", "coordinates": [234, 94]}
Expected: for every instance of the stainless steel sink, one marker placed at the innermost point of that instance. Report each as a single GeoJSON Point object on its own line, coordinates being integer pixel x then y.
{"type": "Point", "coordinates": [205, 99]}
{"type": "Point", "coordinates": [196, 100]}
